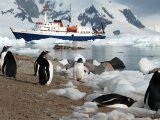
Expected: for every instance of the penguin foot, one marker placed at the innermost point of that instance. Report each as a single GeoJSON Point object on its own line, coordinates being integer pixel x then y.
{"type": "Point", "coordinates": [34, 75]}
{"type": "Point", "coordinates": [37, 83]}
{"type": "Point", "coordinates": [14, 78]}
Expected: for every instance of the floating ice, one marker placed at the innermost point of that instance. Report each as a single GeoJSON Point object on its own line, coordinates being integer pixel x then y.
{"type": "Point", "coordinates": [49, 41]}
{"type": "Point", "coordinates": [7, 41]}
{"type": "Point", "coordinates": [27, 51]}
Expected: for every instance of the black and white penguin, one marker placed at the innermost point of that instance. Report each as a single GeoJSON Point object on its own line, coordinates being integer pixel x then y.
{"type": "Point", "coordinates": [3, 54]}
{"type": "Point", "coordinates": [36, 65]}
{"type": "Point", "coordinates": [9, 67]}
{"type": "Point", "coordinates": [152, 95]}
{"type": "Point", "coordinates": [114, 100]}
{"type": "Point", "coordinates": [78, 70]}
{"type": "Point", "coordinates": [45, 71]}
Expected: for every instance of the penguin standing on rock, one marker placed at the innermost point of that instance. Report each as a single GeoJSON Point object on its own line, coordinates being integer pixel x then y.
{"type": "Point", "coordinates": [3, 54]}
{"type": "Point", "coordinates": [78, 70]}
{"type": "Point", "coordinates": [45, 71]}
{"type": "Point", "coordinates": [152, 95]}
{"type": "Point", "coordinates": [9, 67]}
{"type": "Point", "coordinates": [36, 65]}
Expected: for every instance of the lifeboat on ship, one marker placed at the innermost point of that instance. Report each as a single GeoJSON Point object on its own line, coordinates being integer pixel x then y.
{"type": "Point", "coordinates": [72, 29]}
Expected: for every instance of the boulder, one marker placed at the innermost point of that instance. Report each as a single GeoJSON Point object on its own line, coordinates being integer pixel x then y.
{"type": "Point", "coordinates": [117, 64]}
{"type": "Point", "coordinates": [116, 32]}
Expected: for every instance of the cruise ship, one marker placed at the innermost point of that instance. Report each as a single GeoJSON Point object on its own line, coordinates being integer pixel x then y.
{"type": "Point", "coordinates": [56, 29]}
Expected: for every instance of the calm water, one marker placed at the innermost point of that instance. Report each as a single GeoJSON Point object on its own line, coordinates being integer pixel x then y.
{"type": "Point", "coordinates": [129, 55]}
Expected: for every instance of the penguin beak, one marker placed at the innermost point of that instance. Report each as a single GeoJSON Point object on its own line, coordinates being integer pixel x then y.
{"type": "Point", "coordinates": [47, 51]}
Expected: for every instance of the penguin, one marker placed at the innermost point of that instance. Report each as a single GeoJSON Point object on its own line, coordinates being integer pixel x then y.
{"type": "Point", "coordinates": [78, 70]}
{"type": "Point", "coordinates": [3, 54]}
{"type": "Point", "coordinates": [45, 71]}
{"type": "Point", "coordinates": [114, 100]}
{"type": "Point", "coordinates": [9, 67]}
{"type": "Point", "coordinates": [36, 66]}
{"type": "Point", "coordinates": [152, 97]}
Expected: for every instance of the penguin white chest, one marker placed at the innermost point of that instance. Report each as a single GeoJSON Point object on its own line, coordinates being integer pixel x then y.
{"type": "Point", "coordinates": [2, 58]}
{"type": "Point", "coordinates": [51, 73]}
{"type": "Point", "coordinates": [78, 71]}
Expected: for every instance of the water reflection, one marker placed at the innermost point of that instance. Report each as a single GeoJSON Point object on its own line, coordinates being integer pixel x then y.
{"type": "Point", "coordinates": [128, 54]}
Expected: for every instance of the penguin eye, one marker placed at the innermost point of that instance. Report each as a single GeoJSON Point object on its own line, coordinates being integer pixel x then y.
{"type": "Point", "coordinates": [129, 99]}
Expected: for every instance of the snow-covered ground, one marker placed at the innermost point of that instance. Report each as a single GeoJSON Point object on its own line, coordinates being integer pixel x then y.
{"type": "Point", "coordinates": [129, 83]}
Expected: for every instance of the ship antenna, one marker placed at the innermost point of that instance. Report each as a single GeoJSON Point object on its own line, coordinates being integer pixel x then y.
{"type": "Point", "coordinates": [70, 14]}
{"type": "Point", "coordinates": [45, 9]}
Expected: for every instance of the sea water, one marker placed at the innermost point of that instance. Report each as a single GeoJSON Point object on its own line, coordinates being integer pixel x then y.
{"type": "Point", "coordinates": [128, 54]}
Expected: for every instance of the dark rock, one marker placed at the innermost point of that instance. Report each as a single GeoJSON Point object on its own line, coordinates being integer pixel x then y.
{"type": "Point", "coordinates": [116, 63]}
{"type": "Point", "coordinates": [116, 32]}
{"type": "Point", "coordinates": [28, 9]}
{"type": "Point", "coordinates": [56, 14]}
{"type": "Point", "coordinates": [132, 19]}
{"type": "Point", "coordinates": [107, 12]}
{"type": "Point", "coordinates": [95, 21]}
{"type": "Point", "coordinates": [70, 64]}
{"type": "Point", "coordinates": [99, 69]}
{"type": "Point", "coordinates": [41, 1]}
{"type": "Point", "coordinates": [57, 47]}
{"type": "Point", "coordinates": [89, 65]}
{"type": "Point", "coordinates": [105, 66]}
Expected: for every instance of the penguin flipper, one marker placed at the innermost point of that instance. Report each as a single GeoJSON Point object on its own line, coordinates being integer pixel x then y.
{"type": "Point", "coordinates": [3, 67]}
{"type": "Point", "coordinates": [146, 94]}
{"type": "Point", "coordinates": [35, 68]}
{"type": "Point", "coordinates": [48, 73]}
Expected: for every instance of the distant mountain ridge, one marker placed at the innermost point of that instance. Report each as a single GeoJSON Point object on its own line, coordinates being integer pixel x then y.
{"type": "Point", "coordinates": [92, 13]}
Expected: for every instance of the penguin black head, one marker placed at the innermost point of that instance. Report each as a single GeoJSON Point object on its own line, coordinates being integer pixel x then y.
{"type": "Point", "coordinates": [44, 53]}
{"type": "Point", "coordinates": [5, 48]}
{"type": "Point", "coordinates": [80, 60]}
{"type": "Point", "coordinates": [129, 101]}
{"type": "Point", "coordinates": [9, 54]}
{"type": "Point", "coordinates": [156, 77]}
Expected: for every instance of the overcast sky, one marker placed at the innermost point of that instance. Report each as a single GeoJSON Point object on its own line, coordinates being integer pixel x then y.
{"type": "Point", "coordinates": [142, 8]}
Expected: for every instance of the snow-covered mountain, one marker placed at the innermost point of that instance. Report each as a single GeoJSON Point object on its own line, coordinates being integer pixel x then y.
{"type": "Point", "coordinates": [113, 16]}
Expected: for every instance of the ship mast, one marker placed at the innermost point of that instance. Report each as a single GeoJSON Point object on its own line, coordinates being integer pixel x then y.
{"type": "Point", "coordinates": [70, 18]}
{"type": "Point", "coordinates": [45, 9]}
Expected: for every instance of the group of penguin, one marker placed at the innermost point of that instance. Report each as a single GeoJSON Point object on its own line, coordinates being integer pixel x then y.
{"type": "Point", "coordinates": [43, 68]}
